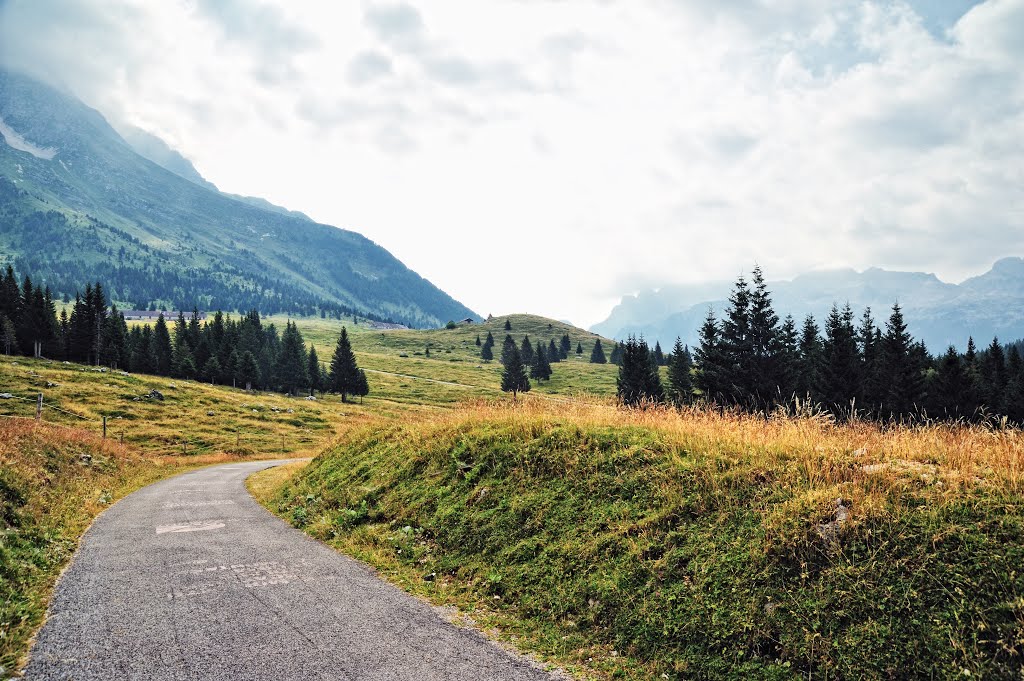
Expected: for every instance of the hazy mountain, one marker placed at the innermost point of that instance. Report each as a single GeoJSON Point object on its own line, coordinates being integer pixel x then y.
{"type": "Point", "coordinates": [940, 313]}
{"type": "Point", "coordinates": [78, 202]}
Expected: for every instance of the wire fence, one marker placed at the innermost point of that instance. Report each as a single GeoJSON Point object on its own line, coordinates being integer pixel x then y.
{"type": "Point", "coordinates": [232, 440]}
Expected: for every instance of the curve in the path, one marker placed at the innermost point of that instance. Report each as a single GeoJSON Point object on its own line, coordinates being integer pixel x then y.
{"type": "Point", "coordinates": [190, 578]}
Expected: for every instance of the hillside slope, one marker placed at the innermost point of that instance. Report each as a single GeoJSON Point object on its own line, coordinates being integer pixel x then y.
{"type": "Point", "coordinates": [648, 544]}
{"type": "Point", "coordinates": [78, 203]}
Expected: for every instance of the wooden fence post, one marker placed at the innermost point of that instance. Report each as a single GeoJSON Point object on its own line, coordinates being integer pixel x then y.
{"type": "Point", "coordinates": [39, 407]}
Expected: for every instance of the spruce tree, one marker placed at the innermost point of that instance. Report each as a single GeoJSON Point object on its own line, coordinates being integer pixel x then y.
{"type": "Point", "coordinates": [507, 346]}
{"type": "Point", "coordinates": [162, 350]}
{"type": "Point", "coordinates": [679, 380]}
{"type": "Point", "coordinates": [211, 370]}
{"type": "Point", "coordinates": [905, 383]}
{"type": "Point", "coordinates": [540, 368]}
{"type": "Point", "coordinates": [840, 380]}
{"type": "Point", "coordinates": [659, 356]}
{"type": "Point", "coordinates": [949, 385]}
{"type": "Point", "coordinates": [736, 348]}
{"type": "Point", "coordinates": [788, 362]}
{"type": "Point", "coordinates": [486, 352]}
{"type": "Point", "coordinates": [579, 348]}
{"type": "Point", "coordinates": [508, 325]}
{"type": "Point", "coordinates": [513, 376]}
{"type": "Point", "coordinates": [564, 347]}
{"type": "Point", "coordinates": [765, 383]}
{"type": "Point", "coordinates": [248, 371]}
{"type": "Point", "coordinates": [871, 380]}
{"type": "Point", "coordinates": [313, 373]}
{"type": "Point", "coordinates": [362, 388]}
{"type": "Point", "coordinates": [554, 355]}
{"type": "Point", "coordinates": [808, 384]}
{"type": "Point", "coordinates": [597, 354]}
{"type": "Point", "coordinates": [344, 376]}
{"type": "Point", "coordinates": [993, 374]}
{"type": "Point", "coordinates": [292, 362]}
{"type": "Point", "coordinates": [1013, 398]}
{"type": "Point", "coordinates": [638, 381]}
{"type": "Point", "coordinates": [478, 343]}
{"type": "Point", "coordinates": [526, 351]}
{"type": "Point", "coordinates": [710, 360]}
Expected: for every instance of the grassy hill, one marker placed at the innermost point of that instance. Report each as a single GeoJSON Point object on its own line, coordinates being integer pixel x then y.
{"type": "Point", "coordinates": [692, 545]}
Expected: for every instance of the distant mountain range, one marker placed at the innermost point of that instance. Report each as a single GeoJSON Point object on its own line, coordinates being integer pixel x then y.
{"type": "Point", "coordinates": [937, 312]}
{"type": "Point", "coordinates": [80, 202]}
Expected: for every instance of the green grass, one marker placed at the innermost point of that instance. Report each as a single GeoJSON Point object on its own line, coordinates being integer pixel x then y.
{"type": "Point", "coordinates": [657, 545]}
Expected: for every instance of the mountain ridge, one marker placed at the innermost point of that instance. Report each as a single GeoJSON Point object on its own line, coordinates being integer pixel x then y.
{"type": "Point", "coordinates": [97, 209]}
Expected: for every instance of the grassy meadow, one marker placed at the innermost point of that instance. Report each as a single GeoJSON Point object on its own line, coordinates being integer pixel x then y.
{"type": "Point", "coordinates": [619, 544]}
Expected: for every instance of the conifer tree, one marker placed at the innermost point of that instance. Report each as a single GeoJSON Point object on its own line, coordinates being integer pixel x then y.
{"type": "Point", "coordinates": [993, 375]}
{"type": "Point", "coordinates": [554, 355]}
{"type": "Point", "coordinates": [869, 394]}
{"type": "Point", "coordinates": [344, 376]}
{"type": "Point", "coordinates": [765, 381]}
{"type": "Point", "coordinates": [490, 339]}
{"type": "Point", "coordinates": [513, 376]}
{"type": "Point", "coordinates": [564, 347]}
{"type": "Point", "coordinates": [508, 325]}
{"type": "Point", "coordinates": [540, 368]}
{"type": "Point", "coordinates": [638, 382]}
{"type": "Point", "coordinates": [212, 370]}
{"type": "Point", "coordinates": [162, 350]}
{"type": "Point", "coordinates": [292, 361]}
{"type": "Point", "coordinates": [710, 360]}
{"type": "Point", "coordinates": [949, 385]}
{"type": "Point", "coordinates": [248, 372]}
{"type": "Point", "coordinates": [486, 352]}
{"type": "Point", "coordinates": [597, 354]}
{"type": "Point", "coordinates": [362, 388]}
{"type": "Point", "coordinates": [904, 380]}
{"type": "Point", "coordinates": [615, 357]}
{"type": "Point", "coordinates": [507, 346]}
{"type": "Point", "coordinates": [526, 351]}
{"type": "Point", "coordinates": [679, 380]}
{"type": "Point", "coordinates": [313, 372]}
{"type": "Point", "coordinates": [841, 361]}
{"type": "Point", "coordinates": [808, 386]}
{"type": "Point", "coordinates": [478, 343]}
{"type": "Point", "coordinates": [788, 361]}
{"type": "Point", "coordinates": [736, 348]}
{"type": "Point", "coordinates": [1013, 399]}
{"type": "Point", "coordinates": [658, 355]}
{"type": "Point", "coordinates": [579, 348]}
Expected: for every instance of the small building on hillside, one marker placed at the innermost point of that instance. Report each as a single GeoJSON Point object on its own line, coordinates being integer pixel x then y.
{"type": "Point", "coordinates": [467, 321]}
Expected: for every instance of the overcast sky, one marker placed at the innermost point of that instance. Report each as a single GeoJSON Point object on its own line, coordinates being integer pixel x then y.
{"type": "Point", "coordinates": [550, 156]}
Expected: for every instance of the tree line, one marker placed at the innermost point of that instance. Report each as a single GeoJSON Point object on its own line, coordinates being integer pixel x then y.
{"type": "Point", "coordinates": [243, 352]}
{"type": "Point", "coordinates": [753, 360]}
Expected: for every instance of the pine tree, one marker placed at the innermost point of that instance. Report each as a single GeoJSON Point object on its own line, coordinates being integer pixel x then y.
{"type": "Point", "coordinates": [212, 369]}
{"type": "Point", "coordinates": [788, 363]}
{"type": "Point", "coordinates": [507, 346]}
{"type": "Point", "coordinates": [737, 351]}
{"type": "Point", "coordinates": [490, 339]}
{"type": "Point", "coordinates": [554, 355]}
{"type": "Point", "coordinates": [597, 354]}
{"type": "Point", "coordinates": [949, 385]}
{"type": "Point", "coordinates": [808, 385]}
{"type": "Point", "coordinates": [1013, 399]}
{"type": "Point", "coordinates": [508, 325]}
{"type": "Point", "coordinates": [540, 368]}
{"type": "Point", "coordinates": [904, 380]}
{"type": "Point", "coordinates": [292, 361]}
{"type": "Point", "coordinates": [162, 350]}
{"type": "Point", "coordinates": [486, 352]}
{"type": "Point", "coordinates": [344, 374]}
{"type": "Point", "coordinates": [565, 346]}
{"type": "Point", "coordinates": [579, 348]}
{"type": "Point", "coordinates": [187, 365]}
{"type": "Point", "coordinates": [313, 373]}
{"type": "Point", "coordinates": [513, 376]}
{"type": "Point", "coordinates": [659, 356]}
{"type": "Point", "coordinates": [616, 355]}
{"type": "Point", "coordinates": [248, 372]}
{"type": "Point", "coordinates": [638, 382]}
{"type": "Point", "coordinates": [840, 380]}
{"type": "Point", "coordinates": [526, 351]}
{"type": "Point", "coordinates": [710, 360]}
{"type": "Point", "coordinates": [679, 380]}
{"type": "Point", "coordinates": [765, 381]}
{"type": "Point", "coordinates": [362, 388]}
{"type": "Point", "coordinates": [869, 394]}
{"type": "Point", "coordinates": [993, 375]}
{"type": "Point", "coordinates": [478, 343]}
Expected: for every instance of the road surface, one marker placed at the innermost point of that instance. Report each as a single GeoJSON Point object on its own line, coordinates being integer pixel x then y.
{"type": "Point", "coordinates": [190, 578]}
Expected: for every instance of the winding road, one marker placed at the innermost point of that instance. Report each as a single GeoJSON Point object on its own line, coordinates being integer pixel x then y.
{"type": "Point", "coordinates": [190, 578]}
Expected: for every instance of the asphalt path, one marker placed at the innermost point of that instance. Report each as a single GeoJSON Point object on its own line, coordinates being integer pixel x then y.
{"type": "Point", "coordinates": [190, 578]}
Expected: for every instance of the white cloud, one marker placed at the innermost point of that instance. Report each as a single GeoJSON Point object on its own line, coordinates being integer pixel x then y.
{"type": "Point", "coordinates": [550, 156]}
